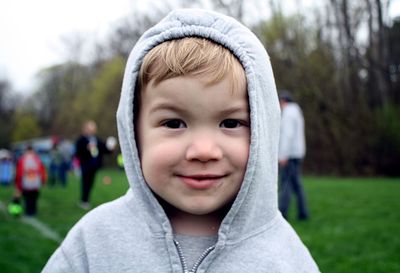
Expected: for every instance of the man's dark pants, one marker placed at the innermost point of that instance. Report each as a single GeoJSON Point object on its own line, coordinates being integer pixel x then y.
{"type": "Point", "coordinates": [290, 181]}
{"type": "Point", "coordinates": [88, 176]}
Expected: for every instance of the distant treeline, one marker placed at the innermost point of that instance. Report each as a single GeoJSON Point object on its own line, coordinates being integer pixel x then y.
{"type": "Point", "coordinates": [342, 64]}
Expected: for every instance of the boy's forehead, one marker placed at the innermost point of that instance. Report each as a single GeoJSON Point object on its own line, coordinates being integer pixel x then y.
{"type": "Point", "coordinates": [178, 92]}
{"type": "Point", "coordinates": [234, 85]}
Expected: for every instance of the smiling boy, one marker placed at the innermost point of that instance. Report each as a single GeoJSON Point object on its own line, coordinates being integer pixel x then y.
{"type": "Point", "coordinates": [193, 149]}
{"type": "Point", "coordinates": [198, 123]}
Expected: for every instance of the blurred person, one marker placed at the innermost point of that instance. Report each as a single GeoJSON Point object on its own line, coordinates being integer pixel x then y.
{"type": "Point", "coordinates": [198, 122]}
{"type": "Point", "coordinates": [56, 169]}
{"type": "Point", "coordinates": [76, 167]}
{"type": "Point", "coordinates": [67, 150]}
{"type": "Point", "coordinates": [292, 150]}
{"type": "Point", "coordinates": [60, 162]}
{"type": "Point", "coordinates": [90, 150]}
{"type": "Point", "coordinates": [7, 168]}
{"type": "Point", "coordinates": [30, 177]}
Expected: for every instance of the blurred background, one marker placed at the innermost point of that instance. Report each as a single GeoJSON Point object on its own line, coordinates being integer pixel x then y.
{"type": "Point", "coordinates": [62, 62]}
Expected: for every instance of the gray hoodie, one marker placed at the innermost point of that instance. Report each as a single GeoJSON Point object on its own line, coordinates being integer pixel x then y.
{"type": "Point", "coordinates": [133, 233]}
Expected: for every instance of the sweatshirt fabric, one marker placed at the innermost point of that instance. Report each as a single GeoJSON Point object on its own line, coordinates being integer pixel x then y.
{"type": "Point", "coordinates": [292, 144]}
{"type": "Point", "coordinates": [133, 233]}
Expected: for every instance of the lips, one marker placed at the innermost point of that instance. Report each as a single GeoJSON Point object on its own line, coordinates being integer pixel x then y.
{"type": "Point", "coordinates": [201, 181]}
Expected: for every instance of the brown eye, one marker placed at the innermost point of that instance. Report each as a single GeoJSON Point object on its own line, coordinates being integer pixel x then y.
{"type": "Point", "coordinates": [174, 124]}
{"type": "Point", "coordinates": [230, 123]}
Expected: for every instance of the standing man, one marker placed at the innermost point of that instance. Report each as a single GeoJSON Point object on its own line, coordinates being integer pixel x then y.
{"type": "Point", "coordinates": [89, 150]}
{"type": "Point", "coordinates": [292, 149]}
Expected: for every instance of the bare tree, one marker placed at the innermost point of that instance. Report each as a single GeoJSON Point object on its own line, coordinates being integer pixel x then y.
{"type": "Point", "coordinates": [234, 8]}
{"type": "Point", "coordinates": [8, 101]}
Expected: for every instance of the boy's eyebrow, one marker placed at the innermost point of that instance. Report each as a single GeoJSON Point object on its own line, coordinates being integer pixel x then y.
{"type": "Point", "coordinates": [166, 106]}
{"type": "Point", "coordinates": [234, 109]}
{"type": "Point", "coordinates": [173, 107]}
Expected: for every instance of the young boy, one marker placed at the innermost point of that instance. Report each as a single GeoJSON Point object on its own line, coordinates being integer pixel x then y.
{"type": "Point", "coordinates": [198, 124]}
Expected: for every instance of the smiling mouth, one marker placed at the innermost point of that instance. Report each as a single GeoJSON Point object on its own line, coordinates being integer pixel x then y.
{"type": "Point", "coordinates": [201, 182]}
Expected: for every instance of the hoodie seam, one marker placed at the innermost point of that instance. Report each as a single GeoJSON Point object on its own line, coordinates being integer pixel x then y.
{"type": "Point", "coordinates": [256, 232]}
{"type": "Point", "coordinates": [182, 23]}
{"type": "Point", "coordinates": [180, 32]}
{"type": "Point", "coordinates": [158, 235]}
{"type": "Point", "coordinates": [219, 247]}
{"type": "Point", "coordinates": [66, 259]}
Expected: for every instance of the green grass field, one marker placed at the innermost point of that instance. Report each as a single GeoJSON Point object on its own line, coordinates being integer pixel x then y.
{"type": "Point", "coordinates": [355, 224]}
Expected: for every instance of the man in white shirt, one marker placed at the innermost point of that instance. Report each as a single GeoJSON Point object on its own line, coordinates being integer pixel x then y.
{"type": "Point", "coordinates": [292, 149]}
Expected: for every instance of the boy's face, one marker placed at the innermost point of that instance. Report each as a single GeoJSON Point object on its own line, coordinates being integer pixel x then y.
{"type": "Point", "coordinates": [194, 142]}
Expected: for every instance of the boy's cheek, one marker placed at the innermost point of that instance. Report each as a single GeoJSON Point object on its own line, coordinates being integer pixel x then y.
{"type": "Point", "coordinates": [159, 154]}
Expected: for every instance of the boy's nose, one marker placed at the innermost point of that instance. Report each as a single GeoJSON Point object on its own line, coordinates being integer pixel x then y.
{"type": "Point", "coordinates": [204, 148]}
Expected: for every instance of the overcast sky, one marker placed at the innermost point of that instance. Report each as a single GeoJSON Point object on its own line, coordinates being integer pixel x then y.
{"type": "Point", "coordinates": [31, 31]}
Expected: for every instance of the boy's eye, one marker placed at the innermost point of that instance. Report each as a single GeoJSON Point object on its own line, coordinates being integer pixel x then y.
{"type": "Point", "coordinates": [174, 124]}
{"type": "Point", "coordinates": [230, 123]}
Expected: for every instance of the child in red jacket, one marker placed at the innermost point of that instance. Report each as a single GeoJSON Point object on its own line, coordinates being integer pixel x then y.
{"type": "Point", "coordinates": [30, 176]}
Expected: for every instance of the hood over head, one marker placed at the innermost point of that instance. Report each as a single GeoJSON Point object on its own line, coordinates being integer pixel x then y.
{"type": "Point", "coordinates": [255, 206]}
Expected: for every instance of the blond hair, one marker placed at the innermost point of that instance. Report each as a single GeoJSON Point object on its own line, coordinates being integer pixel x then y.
{"type": "Point", "coordinates": [190, 56]}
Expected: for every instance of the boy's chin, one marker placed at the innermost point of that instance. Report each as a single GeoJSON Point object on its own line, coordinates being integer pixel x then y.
{"type": "Point", "coordinates": [195, 211]}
